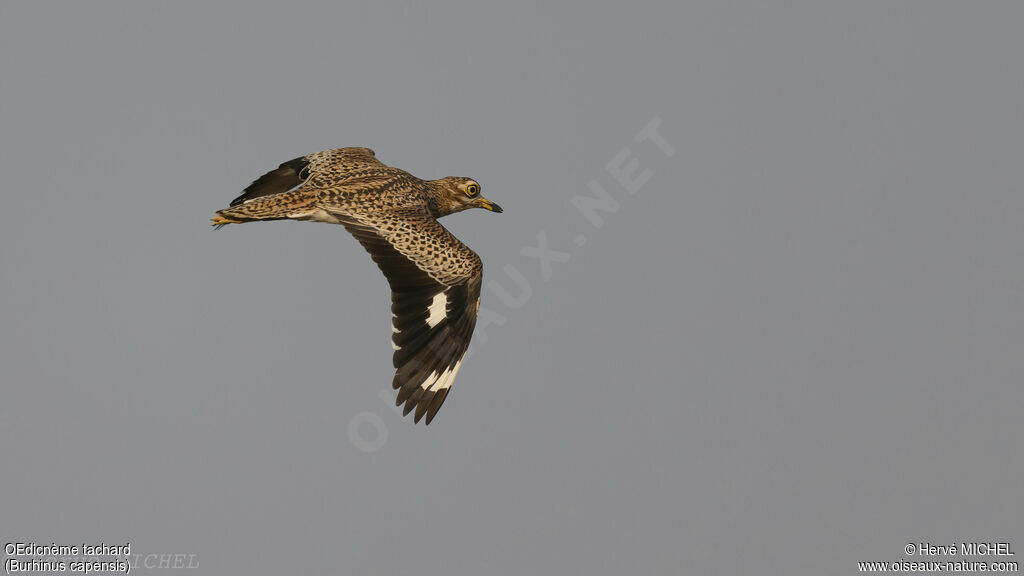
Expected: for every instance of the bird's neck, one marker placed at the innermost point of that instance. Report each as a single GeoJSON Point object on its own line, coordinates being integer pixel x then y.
{"type": "Point", "coordinates": [438, 201]}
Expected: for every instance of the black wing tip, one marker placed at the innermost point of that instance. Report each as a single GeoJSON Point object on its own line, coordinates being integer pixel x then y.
{"type": "Point", "coordinates": [436, 404]}
{"type": "Point", "coordinates": [426, 404]}
{"type": "Point", "coordinates": [287, 176]}
{"type": "Point", "coordinates": [297, 165]}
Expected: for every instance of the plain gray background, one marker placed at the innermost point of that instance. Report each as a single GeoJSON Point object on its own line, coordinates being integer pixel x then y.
{"type": "Point", "coordinates": [799, 346]}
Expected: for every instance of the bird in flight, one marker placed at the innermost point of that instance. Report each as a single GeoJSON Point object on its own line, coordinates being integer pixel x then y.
{"type": "Point", "coordinates": [435, 279]}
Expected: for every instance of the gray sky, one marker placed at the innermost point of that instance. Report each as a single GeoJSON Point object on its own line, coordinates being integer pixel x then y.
{"type": "Point", "coordinates": [796, 346]}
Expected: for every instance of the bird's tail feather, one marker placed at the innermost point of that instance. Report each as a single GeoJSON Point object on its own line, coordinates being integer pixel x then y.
{"type": "Point", "coordinates": [276, 207]}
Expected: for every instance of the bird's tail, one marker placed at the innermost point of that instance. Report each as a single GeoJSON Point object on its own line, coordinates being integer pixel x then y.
{"type": "Point", "coordinates": [276, 207]}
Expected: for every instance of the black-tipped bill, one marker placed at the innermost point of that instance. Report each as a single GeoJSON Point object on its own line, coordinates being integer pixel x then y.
{"type": "Point", "coordinates": [487, 205]}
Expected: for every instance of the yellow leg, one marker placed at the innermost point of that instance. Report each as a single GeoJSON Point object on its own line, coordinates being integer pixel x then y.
{"type": "Point", "coordinates": [221, 220]}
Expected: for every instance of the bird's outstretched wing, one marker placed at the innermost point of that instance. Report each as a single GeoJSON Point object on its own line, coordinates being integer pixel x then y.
{"type": "Point", "coordinates": [435, 292]}
{"type": "Point", "coordinates": [327, 168]}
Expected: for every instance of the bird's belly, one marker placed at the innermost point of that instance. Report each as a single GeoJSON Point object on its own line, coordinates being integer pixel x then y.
{"type": "Point", "coordinates": [317, 215]}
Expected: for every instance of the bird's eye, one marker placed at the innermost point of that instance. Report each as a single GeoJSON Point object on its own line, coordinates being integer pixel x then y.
{"type": "Point", "coordinates": [472, 190]}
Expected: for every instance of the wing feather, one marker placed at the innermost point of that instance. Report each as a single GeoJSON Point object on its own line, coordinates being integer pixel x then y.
{"type": "Point", "coordinates": [427, 267]}
{"type": "Point", "coordinates": [326, 167]}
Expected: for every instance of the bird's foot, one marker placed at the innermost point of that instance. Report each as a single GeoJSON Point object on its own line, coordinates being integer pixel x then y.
{"type": "Point", "coordinates": [221, 221]}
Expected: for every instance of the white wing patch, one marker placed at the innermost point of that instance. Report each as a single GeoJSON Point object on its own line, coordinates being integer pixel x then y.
{"type": "Point", "coordinates": [438, 309]}
{"type": "Point", "coordinates": [437, 382]}
{"type": "Point", "coordinates": [394, 331]}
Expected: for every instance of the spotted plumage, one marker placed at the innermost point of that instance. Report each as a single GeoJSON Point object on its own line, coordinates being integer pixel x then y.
{"type": "Point", "coordinates": [435, 279]}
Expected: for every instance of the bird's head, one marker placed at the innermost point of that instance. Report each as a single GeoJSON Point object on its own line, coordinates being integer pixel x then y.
{"type": "Point", "coordinates": [455, 194]}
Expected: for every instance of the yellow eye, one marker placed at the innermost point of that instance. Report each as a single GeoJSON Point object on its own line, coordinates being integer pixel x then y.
{"type": "Point", "coordinates": [472, 189]}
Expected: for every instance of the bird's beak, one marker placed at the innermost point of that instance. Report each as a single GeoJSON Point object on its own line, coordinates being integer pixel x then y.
{"type": "Point", "coordinates": [487, 205]}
